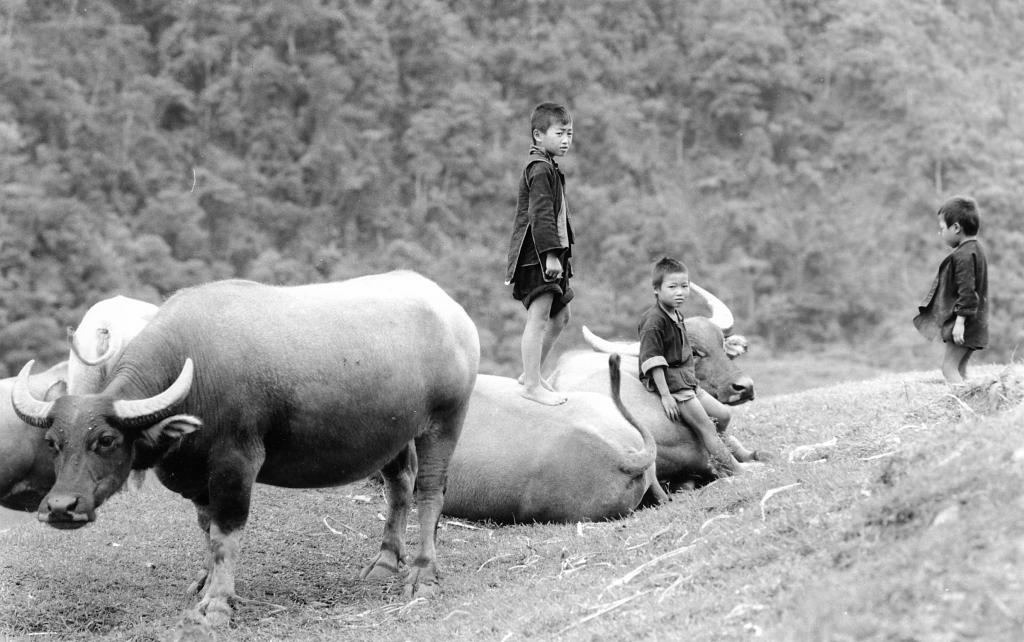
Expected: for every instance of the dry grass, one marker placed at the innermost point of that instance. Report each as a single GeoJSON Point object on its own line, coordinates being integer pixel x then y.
{"type": "Point", "coordinates": [903, 520]}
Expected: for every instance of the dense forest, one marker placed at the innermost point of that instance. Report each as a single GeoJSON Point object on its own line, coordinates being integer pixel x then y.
{"type": "Point", "coordinates": [791, 152]}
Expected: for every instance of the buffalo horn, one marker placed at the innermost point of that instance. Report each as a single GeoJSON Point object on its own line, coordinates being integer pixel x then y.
{"type": "Point", "coordinates": [32, 411]}
{"type": "Point", "coordinates": [112, 347]}
{"type": "Point", "coordinates": [138, 412]}
{"type": "Point", "coordinates": [720, 314]}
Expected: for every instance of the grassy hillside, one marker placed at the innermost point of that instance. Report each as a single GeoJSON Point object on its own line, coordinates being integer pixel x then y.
{"type": "Point", "coordinates": [893, 511]}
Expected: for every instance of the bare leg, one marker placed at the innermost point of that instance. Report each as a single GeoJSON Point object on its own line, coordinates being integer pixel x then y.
{"type": "Point", "coordinates": [544, 382]}
{"type": "Point", "coordinates": [715, 409]}
{"type": "Point", "coordinates": [954, 363]}
{"type": "Point", "coordinates": [722, 416]}
{"type": "Point", "coordinates": [534, 336]}
{"type": "Point", "coordinates": [694, 415]}
{"type": "Point", "coordinates": [963, 364]}
{"type": "Point", "coordinates": [552, 330]}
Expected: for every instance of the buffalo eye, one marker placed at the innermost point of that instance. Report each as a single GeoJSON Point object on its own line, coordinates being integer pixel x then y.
{"type": "Point", "coordinates": [52, 443]}
{"type": "Point", "coordinates": [105, 442]}
{"type": "Point", "coordinates": [700, 354]}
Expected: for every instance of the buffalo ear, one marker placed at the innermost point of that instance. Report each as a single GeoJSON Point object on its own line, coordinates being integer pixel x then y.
{"type": "Point", "coordinates": [58, 388]}
{"type": "Point", "coordinates": [172, 428]}
{"type": "Point", "coordinates": [736, 345]}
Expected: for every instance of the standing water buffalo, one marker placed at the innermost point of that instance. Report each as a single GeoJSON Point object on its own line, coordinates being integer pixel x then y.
{"type": "Point", "coordinates": [235, 382]}
{"type": "Point", "coordinates": [26, 462]}
{"type": "Point", "coordinates": [520, 461]}
{"type": "Point", "coordinates": [682, 454]}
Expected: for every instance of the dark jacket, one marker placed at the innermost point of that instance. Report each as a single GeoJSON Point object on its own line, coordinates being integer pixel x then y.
{"type": "Point", "coordinates": [535, 229]}
{"type": "Point", "coordinates": [663, 342]}
{"type": "Point", "coordinates": [959, 289]}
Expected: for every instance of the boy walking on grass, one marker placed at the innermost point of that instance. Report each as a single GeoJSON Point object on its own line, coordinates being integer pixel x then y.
{"type": "Point", "coordinates": [667, 365]}
{"type": "Point", "coordinates": [538, 259]}
{"type": "Point", "coordinates": [956, 306]}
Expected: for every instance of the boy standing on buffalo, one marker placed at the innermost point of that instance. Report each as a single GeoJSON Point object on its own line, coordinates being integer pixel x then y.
{"type": "Point", "coordinates": [538, 258]}
{"type": "Point", "coordinates": [667, 365]}
{"type": "Point", "coordinates": [956, 306]}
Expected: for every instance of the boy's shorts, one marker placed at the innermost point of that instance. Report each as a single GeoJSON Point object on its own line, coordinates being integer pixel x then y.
{"type": "Point", "coordinates": [684, 395]}
{"type": "Point", "coordinates": [529, 283]}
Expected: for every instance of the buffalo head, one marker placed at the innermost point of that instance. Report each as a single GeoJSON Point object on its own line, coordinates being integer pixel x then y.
{"type": "Point", "coordinates": [96, 439]}
{"type": "Point", "coordinates": [715, 368]}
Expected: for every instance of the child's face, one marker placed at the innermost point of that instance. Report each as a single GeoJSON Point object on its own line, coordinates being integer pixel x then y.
{"type": "Point", "coordinates": [951, 235]}
{"type": "Point", "coordinates": [674, 289]}
{"type": "Point", "coordinates": [556, 140]}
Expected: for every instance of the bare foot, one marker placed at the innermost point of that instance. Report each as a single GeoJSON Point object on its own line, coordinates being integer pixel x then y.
{"type": "Point", "coordinates": [544, 382]}
{"type": "Point", "coordinates": [540, 394]}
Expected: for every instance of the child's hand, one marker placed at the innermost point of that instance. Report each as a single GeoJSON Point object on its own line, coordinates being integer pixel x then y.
{"type": "Point", "coordinates": [668, 402]}
{"type": "Point", "coordinates": [958, 331]}
{"type": "Point", "coordinates": [552, 266]}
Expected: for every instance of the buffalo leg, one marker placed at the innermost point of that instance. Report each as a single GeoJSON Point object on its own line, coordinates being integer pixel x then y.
{"type": "Point", "coordinates": [203, 517]}
{"type": "Point", "coordinates": [232, 476]}
{"type": "Point", "coordinates": [434, 450]}
{"type": "Point", "coordinates": [398, 475]}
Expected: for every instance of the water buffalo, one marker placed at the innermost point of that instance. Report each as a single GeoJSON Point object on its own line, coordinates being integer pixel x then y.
{"type": "Point", "coordinates": [519, 461]}
{"type": "Point", "coordinates": [235, 382]}
{"type": "Point", "coordinates": [100, 338]}
{"type": "Point", "coordinates": [26, 461]}
{"type": "Point", "coordinates": [682, 454]}
{"type": "Point", "coordinates": [26, 473]}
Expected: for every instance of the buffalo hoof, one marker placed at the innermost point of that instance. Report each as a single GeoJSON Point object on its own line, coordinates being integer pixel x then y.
{"type": "Point", "coordinates": [191, 627]}
{"type": "Point", "coordinates": [383, 567]}
{"type": "Point", "coordinates": [215, 611]}
{"type": "Point", "coordinates": [421, 582]}
{"type": "Point", "coordinates": [761, 455]}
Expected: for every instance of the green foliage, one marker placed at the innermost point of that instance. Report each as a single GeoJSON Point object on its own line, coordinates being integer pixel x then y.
{"type": "Point", "coordinates": [792, 152]}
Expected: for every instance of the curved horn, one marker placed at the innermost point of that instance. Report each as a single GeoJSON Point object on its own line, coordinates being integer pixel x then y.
{"type": "Point", "coordinates": [720, 314]}
{"type": "Point", "coordinates": [112, 348]}
{"type": "Point", "coordinates": [138, 412]}
{"type": "Point", "coordinates": [32, 411]}
{"type": "Point", "coordinates": [630, 349]}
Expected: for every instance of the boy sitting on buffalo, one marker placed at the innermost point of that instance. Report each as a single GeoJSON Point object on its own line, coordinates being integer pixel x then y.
{"type": "Point", "coordinates": [667, 363]}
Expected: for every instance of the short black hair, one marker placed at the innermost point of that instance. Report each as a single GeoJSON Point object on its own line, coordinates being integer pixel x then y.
{"type": "Point", "coordinates": [545, 114]}
{"type": "Point", "coordinates": [666, 265]}
{"type": "Point", "coordinates": [962, 210]}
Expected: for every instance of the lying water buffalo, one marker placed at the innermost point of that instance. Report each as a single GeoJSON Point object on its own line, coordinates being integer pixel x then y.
{"type": "Point", "coordinates": [682, 454]}
{"type": "Point", "coordinates": [26, 461]}
{"type": "Point", "coordinates": [235, 382]}
{"type": "Point", "coordinates": [520, 461]}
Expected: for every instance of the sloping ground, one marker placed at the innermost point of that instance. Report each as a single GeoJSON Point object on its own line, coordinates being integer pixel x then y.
{"type": "Point", "coordinates": [931, 544]}
{"type": "Point", "coordinates": [893, 510]}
